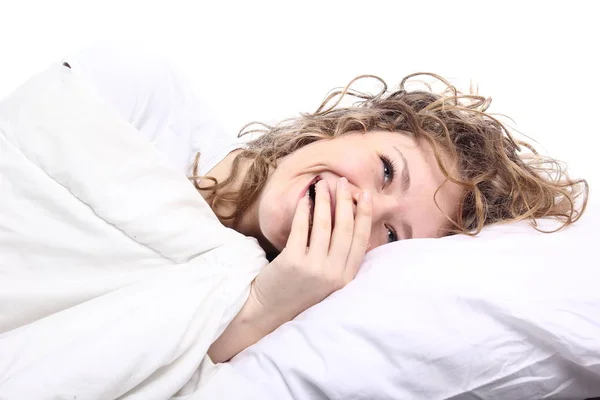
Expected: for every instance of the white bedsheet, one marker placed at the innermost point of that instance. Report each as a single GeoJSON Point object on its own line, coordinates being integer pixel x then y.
{"type": "Point", "coordinates": [115, 276]}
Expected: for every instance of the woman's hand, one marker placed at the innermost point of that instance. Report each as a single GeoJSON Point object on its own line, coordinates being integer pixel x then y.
{"type": "Point", "coordinates": [306, 271]}
{"type": "Point", "coordinates": [310, 269]}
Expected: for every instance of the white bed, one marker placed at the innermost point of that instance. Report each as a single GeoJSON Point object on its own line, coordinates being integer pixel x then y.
{"type": "Point", "coordinates": [131, 278]}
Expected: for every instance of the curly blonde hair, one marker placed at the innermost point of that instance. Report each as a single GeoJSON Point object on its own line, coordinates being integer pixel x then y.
{"type": "Point", "coordinates": [504, 179]}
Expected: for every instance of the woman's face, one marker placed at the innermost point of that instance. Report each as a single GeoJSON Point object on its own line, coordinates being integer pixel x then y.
{"type": "Point", "coordinates": [400, 172]}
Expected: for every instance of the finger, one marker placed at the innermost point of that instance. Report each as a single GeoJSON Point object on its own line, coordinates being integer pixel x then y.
{"type": "Point", "coordinates": [343, 231]}
{"type": "Point", "coordinates": [298, 239]}
{"type": "Point", "coordinates": [321, 228]}
{"type": "Point", "coordinates": [361, 235]}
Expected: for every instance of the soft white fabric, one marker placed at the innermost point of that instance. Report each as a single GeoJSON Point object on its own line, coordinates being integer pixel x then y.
{"type": "Point", "coordinates": [150, 94]}
{"type": "Point", "coordinates": [115, 275]}
{"type": "Point", "coordinates": [509, 315]}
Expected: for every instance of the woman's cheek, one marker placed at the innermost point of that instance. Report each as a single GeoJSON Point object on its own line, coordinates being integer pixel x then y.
{"type": "Point", "coordinates": [273, 224]}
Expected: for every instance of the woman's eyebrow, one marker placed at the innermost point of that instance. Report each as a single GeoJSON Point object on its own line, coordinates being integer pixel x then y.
{"type": "Point", "coordinates": [405, 181]}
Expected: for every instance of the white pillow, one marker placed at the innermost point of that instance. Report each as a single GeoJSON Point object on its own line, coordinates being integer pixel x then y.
{"type": "Point", "coordinates": [510, 314]}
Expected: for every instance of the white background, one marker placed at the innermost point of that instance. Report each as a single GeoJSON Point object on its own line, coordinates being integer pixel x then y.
{"type": "Point", "coordinates": [264, 60]}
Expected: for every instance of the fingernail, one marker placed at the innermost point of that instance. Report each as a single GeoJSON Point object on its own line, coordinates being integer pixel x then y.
{"type": "Point", "coordinates": [366, 195]}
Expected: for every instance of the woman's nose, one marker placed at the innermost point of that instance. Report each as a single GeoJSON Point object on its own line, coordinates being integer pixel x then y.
{"type": "Point", "coordinates": [385, 206]}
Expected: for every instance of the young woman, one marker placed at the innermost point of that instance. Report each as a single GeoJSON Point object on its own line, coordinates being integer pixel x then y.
{"type": "Point", "coordinates": [320, 190]}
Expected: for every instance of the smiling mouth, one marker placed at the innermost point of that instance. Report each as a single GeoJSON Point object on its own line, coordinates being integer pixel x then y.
{"type": "Point", "coordinates": [312, 192]}
{"type": "Point", "coordinates": [312, 195]}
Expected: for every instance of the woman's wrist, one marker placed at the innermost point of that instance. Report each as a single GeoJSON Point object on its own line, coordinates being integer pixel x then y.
{"type": "Point", "coordinates": [251, 324]}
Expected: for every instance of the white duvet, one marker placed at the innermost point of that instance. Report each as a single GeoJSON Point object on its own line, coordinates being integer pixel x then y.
{"type": "Point", "coordinates": [115, 276]}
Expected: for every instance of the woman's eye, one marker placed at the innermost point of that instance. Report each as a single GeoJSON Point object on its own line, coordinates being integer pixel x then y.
{"type": "Point", "coordinates": [386, 173]}
{"type": "Point", "coordinates": [391, 235]}
{"type": "Point", "coordinates": [388, 170]}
